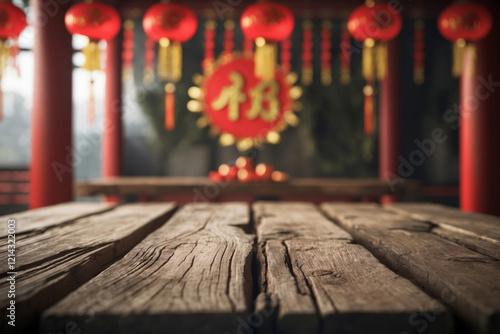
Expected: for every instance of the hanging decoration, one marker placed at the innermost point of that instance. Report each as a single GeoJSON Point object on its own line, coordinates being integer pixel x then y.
{"type": "Point", "coordinates": [149, 61]}
{"type": "Point", "coordinates": [464, 24]}
{"type": "Point", "coordinates": [286, 55]}
{"type": "Point", "coordinates": [418, 52]}
{"type": "Point", "coordinates": [243, 109]}
{"type": "Point", "coordinates": [267, 23]}
{"type": "Point", "coordinates": [326, 53]}
{"type": "Point", "coordinates": [128, 50]}
{"type": "Point", "coordinates": [97, 21]}
{"type": "Point", "coordinates": [373, 24]}
{"type": "Point", "coordinates": [209, 45]}
{"type": "Point", "coordinates": [247, 46]}
{"type": "Point", "coordinates": [345, 55]}
{"type": "Point", "coordinates": [12, 23]}
{"type": "Point", "coordinates": [307, 55]}
{"type": "Point", "coordinates": [170, 25]}
{"type": "Point", "coordinates": [228, 37]}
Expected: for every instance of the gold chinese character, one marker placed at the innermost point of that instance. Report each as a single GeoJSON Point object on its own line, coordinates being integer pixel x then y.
{"type": "Point", "coordinates": [231, 96]}
{"type": "Point", "coordinates": [265, 91]}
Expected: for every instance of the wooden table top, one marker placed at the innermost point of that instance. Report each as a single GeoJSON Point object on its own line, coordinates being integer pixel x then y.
{"type": "Point", "coordinates": [356, 187]}
{"type": "Point", "coordinates": [272, 267]}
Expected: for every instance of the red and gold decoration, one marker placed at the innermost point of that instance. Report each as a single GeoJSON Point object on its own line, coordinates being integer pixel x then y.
{"type": "Point", "coordinates": [266, 23]}
{"type": "Point", "coordinates": [286, 55]}
{"type": "Point", "coordinates": [373, 24]}
{"type": "Point", "coordinates": [97, 21]}
{"type": "Point", "coordinates": [170, 25]}
{"type": "Point", "coordinates": [228, 37]}
{"type": "Point", "coordinates": [209, 45]}
{"type": "Point", "coordinates": [345, 55]}
{"type": "Point", "coordinates": [326, 53]}
{"type": "Point", "coordinates": [128, 50]}
{"type": "Point", "coordinates": [418, 52]}
{"type": "Point", "coordinates": [247, 45]}
{"type": "Point", "coordinates": [12, 23]}
{"type": "Point", "coordinates": [307, 55]}
{"type": "Point", "coordinates": [244, 172]}
{"type": "Point", "coordinates": [464, 24]}
{"type": "Point", "coordinates": [243, 109]}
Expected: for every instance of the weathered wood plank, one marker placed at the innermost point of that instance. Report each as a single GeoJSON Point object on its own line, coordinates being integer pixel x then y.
{"type": "Point", "coordinates": [479, 226]}
{"type": "Point", "coordinates": [202, 189]}
{"type": "Point", "coordinates": [56, 215]}
{"type": "Point", "coordinates": [320, 281]}
{"type": "Point", "coordinates": [52, 262]}
{"type": "Point", "coordinates": [193, 275]}
{"type": "Point", "coordinates": [464, 280]}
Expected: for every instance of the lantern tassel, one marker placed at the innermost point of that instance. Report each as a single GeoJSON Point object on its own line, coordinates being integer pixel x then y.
{"type": "Point", "coordinates": [170, 60]}
{"type": "Point", "coordinates": [367, 60]}
{"type": "Point", "coordinates": [458, 57]}
{"type": "Point", "coordinates": [471, 48]}
{"type": "Point", "coordinates": [381, 51]}
{"type": "Point", "coordinates": [265, 59]}
{"type": "Point", "coordinates": [92, 55]}
{"type": "Point", "coordinates": [91, 107]}
{"type": "Point", "coordinates": [169, 106]}
{"type": "Point", "coordinates": [369, 119]}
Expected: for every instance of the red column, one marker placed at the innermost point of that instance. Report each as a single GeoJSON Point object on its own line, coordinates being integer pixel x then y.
{"type": "Point", "coordinates": [480, 128]}
{"type": "Point", "coordinates": [51, 150]}
{"type": "Point", "coordinates": [389, 118]}
{"type": "Point", "coordinates": [112, 138]}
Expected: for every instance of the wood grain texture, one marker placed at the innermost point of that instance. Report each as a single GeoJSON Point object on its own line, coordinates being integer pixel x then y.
{"type": "Point", "coordinates": [203, 189]}
{"type": "Point", "coordinates": [52, 262]}
{"type": "Point", "coordinates": [464, 280]}
{"type": "Point", "coordinates": [320, 281]}
{"type": "Point", "coordinates": [56, 215]}
{"type": "Point", "coordinates": [193, 275]}
{"type": "Point", "coordinates": [480, 226]}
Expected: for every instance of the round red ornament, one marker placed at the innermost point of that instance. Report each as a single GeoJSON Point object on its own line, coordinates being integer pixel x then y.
{"type": "Point", "coordinates": [173, 21]}
{"type": "Point", "coordinates": [95, 20]}
{"type": "Point", "coordinates": [271, 21]}
{"type": "Point", "coordinates": [380, 22]}
{"type": "Point", "coordinates": [12, 20]}
{"type": "Point", "coordinates": [469, 21]}
{"type": "Point", "coordinates": [238, 104]}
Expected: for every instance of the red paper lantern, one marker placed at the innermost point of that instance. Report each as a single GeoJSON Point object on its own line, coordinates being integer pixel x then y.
{"type": "Point", "coordinates": [12, 21]}
{"type": "Point", "coordinates": [170, 25]}
{"type": "Point", "coordinates": [266, 23]}
{"type": "Point", "coordinates": [373, 24]}
{"type": "Point", "coordinates": [462, 23]}
{"type": "Point", "coordinates": [380, 21]}
{"type": "Point", "coordinates": [97, 21]}
{"type": "Point", "coordinates": [469, 21]}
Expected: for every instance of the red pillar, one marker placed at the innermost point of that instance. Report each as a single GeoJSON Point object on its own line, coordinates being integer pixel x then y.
{"type": "Point", "coordinates": [51, 150]}
{"type": "Point", "coordinates": [389, 118]}
{"type": "Point", "coordinates": [112, 138]}
{"type": "Point", "coordinates": [480, 128]}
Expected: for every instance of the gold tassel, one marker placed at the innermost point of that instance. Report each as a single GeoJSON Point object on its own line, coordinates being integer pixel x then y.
{"type": "Point", "coordinates": [265, 59]}
{"type": "Point", "coordinates": [368, 68]}
{"type": "Point", "coordinates": [345, 76]}
{"type": "Point", "coordinates": [418, 76]}
{"type": "Point", "coordinates": [381, 58]}
{"type": "Point", "coordinates": [458, 57]}
{"type": "Point", "coordinates": [326, 76]}
{"type": "Point", "coordinates": [92, 57]}
{"type": "Point", "coordinates": [471, 48]}
{"type": "Point", "coordinates": [170, 60]}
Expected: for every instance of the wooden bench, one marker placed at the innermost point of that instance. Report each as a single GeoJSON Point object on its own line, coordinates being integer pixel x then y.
{"type": "Point", "coordinates": [273, 267]}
